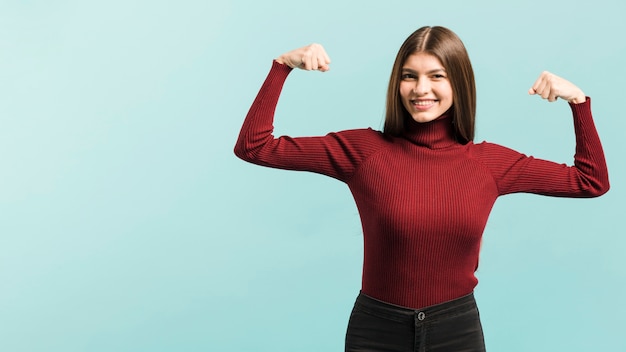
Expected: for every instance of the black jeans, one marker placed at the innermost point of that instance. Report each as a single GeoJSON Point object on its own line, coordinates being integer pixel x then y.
{"type": "Point", "coordinates": [452, 326]}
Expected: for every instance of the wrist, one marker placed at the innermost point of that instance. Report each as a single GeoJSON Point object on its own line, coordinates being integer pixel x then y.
{"type": "Point", "coordinates": [578, 100]}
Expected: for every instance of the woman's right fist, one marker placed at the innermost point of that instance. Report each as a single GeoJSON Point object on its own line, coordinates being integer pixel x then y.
{"type": "Point", "coordinates": [311, 57]}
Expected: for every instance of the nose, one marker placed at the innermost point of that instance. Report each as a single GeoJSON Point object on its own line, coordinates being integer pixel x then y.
{"type": "Point", "coordinates": [422, 86]}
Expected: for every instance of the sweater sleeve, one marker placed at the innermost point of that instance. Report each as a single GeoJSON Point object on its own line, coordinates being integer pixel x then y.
{"type": "Point", "coordinates": [587, 177]}
{"type": "Point", "coordinates": [336, 154]}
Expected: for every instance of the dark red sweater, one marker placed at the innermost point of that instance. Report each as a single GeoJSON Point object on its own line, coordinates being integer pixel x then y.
{"type": "Point", "coordinates": [423, 198]}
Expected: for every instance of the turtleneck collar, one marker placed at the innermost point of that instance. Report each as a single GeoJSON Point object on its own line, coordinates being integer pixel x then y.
{"type": "Point", "coordinates": [436, 134]}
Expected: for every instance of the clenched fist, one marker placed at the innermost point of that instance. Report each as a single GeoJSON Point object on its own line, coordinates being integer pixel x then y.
{"type": "Point", "coordinates": [311, 57]}
{"type": "Point", "coordinates": [550, 86]}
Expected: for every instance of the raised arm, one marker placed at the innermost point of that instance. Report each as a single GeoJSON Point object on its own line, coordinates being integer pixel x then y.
{"type": "Point", "coordinates": [587, 177]}
{"type": "Point", "coordinates": [336, 154]}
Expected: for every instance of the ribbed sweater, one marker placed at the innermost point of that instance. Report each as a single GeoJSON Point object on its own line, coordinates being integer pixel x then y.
{"type": "Point", "coordinates": [423, 198]}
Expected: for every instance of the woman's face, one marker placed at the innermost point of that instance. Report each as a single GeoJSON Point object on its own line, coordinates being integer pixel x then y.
{"type": "Point", "coordinates": [425, 90]}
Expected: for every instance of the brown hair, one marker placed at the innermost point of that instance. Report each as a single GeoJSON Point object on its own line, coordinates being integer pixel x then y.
{"type": "Point", "coordinates": [449, 49]}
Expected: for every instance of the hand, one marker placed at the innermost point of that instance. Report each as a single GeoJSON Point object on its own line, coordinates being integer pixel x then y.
{"type": "Point", "coordinates": [310, 57]}
{"type": "Point", "coordinates": [550, 86]}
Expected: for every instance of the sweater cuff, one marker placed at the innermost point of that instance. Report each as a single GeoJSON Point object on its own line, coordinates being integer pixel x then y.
{"type": "Point", "coordinates": [276, 66]}
{"type": "Point", "coordinates": [581, 107]}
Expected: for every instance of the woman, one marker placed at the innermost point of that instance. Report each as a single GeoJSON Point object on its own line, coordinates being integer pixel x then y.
{"type": "Point", "coordinates": [423, 188]}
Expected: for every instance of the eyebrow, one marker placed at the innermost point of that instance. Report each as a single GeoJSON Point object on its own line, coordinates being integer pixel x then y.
{"type": "Point", "coordinates": [404, 69]}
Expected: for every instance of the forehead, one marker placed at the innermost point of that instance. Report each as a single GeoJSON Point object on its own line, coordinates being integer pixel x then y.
{"type": "Point", "coordinates": [422, 62]}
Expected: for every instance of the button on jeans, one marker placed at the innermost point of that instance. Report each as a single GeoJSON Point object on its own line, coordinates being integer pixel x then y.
{"type": "Point", "coordinates": [452, 326]}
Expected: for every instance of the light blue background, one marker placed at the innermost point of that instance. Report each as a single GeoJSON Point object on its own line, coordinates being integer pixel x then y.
{"type": "Point", "coordinates": [127, 224]}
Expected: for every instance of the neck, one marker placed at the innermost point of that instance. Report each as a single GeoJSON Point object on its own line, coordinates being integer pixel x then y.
{"type": "Point", "coordinates": [435, 134]}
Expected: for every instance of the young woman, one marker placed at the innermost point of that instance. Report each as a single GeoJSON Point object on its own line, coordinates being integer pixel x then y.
{"type": "Point", "coordinates": [423, 188]}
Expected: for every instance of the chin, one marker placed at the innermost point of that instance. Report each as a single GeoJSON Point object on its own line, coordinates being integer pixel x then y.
{"type": "Point", "coordinates": [424, 119]}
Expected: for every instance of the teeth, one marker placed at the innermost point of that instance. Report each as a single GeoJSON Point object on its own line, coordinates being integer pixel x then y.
{"type": "Point", "coordinates": [423, 102]}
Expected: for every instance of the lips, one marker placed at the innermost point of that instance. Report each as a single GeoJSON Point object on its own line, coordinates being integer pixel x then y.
{"type": "Point", "coordinates": [423, 104]}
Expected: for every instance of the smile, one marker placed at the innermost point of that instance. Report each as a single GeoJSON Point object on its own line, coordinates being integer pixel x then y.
{"type": "Point", "coordinates": [423, 104]}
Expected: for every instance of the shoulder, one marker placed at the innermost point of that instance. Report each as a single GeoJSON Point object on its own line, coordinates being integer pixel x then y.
{"type": "Point", "coordinates": [363, 135]}
{"type": "Point", "coordinates": [495, 157]}
{"type": "Point", "coordinates": [367, 132]}
{"type": "Point", "coordinates": [486, 149]}
{"type": "Point", "coordinates": [360, 144]}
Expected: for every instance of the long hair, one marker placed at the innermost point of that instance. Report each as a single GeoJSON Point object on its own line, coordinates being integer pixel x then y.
{"type": "Point", "coordinates": [449, 49]}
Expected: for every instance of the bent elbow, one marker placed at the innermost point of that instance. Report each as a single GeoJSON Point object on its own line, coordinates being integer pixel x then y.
{"type": "Point", "coordinates": [243, 153]}
{"type": "Point", "coordinates": [598, 189]}
{"type": "Point", "coordinates": [248, 151]}
{"type": "Point", "coordinates": [603, 188]}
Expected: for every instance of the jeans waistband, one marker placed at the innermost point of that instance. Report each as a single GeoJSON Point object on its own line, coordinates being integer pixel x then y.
{"type": "Point", "coordinates": [442, 310]}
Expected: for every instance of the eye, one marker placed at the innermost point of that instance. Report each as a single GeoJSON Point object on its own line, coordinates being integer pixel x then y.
{"type": "Point", "coordinates": [408, 77]}
{"type": "Point", "coordinates": [438, 76]}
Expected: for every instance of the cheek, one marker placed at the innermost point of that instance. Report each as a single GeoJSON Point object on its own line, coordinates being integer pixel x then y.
{"type": "Point", "coordinates": [447, 93]}
{"type": "Point", "coordinates": [405, 95]}
{"type": "Point", "coordinates": [451, 98]}
{"type": "Point", "coordinates": [404, 91]}
{"type": "Point", "coordinates": [450, 93]}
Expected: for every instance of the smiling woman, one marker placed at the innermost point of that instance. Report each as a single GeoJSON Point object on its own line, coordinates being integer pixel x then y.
{"type": "Point", "coordinates": [423, 188]}
{"type": "Point", "coordinates": [425, 89]}
{"type": "Point", "coordinates": [436, 56]}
